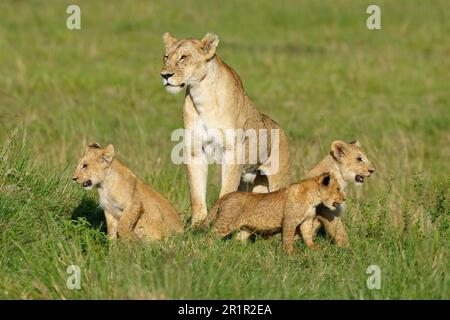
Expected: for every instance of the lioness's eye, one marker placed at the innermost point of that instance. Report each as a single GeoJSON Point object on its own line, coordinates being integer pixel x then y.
{"type": "Point", "coordinates": [182, 57]}
{"type": "Point", "coordinates": [165, 57]}
{"type": "Point", "coordinates": [84, 166]}
{"type": "Point", "coordinates": [359, 159]}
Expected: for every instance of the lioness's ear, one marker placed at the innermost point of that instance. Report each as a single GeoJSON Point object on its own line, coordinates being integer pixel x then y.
{"type": "Point", "coordinates": [108, 153]}
{"type": "Point", "coordinates": [209, 44]}
{"type": "Point", "coordinates": [338, 148]}
{"type": "Point", "coordinates": [168, 39]}
{"type": "Point", "coordinates": [325, 179]}
{"type": "Point", "coordinates": [356, 143]}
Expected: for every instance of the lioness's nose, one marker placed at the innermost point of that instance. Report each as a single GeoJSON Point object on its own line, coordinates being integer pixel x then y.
{"type": "Point", "coordinates": [166, 75]}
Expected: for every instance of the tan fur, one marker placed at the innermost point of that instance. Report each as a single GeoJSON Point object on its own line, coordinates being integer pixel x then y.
{"type": "Point", "coordinates": [131, 207]}
{"type": "Point", "coordinates": [346, 161]}
{"type": "Point", "coordinates": [216, 99]}
{"type": "Point", "coordinates": [282, 210]}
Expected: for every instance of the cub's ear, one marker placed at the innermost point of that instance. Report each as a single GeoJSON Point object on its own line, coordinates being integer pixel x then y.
{"type": "Point", "coordinates": [356, 143]}
{"type": "Point", "coordinates": [325, 179]}
{"type": "Point", "coordinates": [108, 153]}
{"type": "Point", "coordinates": [339, 149]}
{"type": "Point", "coordinates": [168, 39]}
{"type": "Point", "coordinates": [209, 44]}
{"type": "Point", "coordinates": [93, 145]}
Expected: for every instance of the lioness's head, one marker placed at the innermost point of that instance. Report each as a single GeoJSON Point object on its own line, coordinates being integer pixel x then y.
{"type": "Point", "coordinates": [93, 165]}
{"type": "Point", "coordinates": [185, 60]}
{"type": "Point", "coordinates": [353, 163]}
{"type": "Point", "coordinates": [330, 191]}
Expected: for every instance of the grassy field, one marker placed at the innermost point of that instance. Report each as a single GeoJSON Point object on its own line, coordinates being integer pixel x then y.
{"type": "Point", "coordinates": [313, 66]}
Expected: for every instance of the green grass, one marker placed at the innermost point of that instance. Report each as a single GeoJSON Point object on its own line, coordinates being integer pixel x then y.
{"type": "Point", "coordinates": [311, 65]}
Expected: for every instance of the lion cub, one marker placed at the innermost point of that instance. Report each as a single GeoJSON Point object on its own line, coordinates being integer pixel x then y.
{"type": "Point", "coordinates": [283, 210]}
{"type": "Point", "coordinates": [131, 207]}
{"type": "Point", "coordinates": [348, 163]}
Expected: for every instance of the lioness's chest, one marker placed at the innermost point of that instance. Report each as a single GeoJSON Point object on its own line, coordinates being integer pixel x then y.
{"type": "Point", "coordinates": [214, 129]}
{"type": "Point", "coordinates": [211, 136]}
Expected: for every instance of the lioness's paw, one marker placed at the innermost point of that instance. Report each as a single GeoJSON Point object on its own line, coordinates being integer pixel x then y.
{"type": "Point", "coordinates": [197, 222]}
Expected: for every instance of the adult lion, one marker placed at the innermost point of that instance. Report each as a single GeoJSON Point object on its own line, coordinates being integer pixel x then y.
{"type": "Point", "coordinates": [216, 101]}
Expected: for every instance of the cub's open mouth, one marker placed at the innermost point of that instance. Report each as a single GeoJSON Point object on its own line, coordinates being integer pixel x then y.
{"type": "Point", "coordinates": [359, 178]}
{"type": "Point", "coordinates": [87, 184]}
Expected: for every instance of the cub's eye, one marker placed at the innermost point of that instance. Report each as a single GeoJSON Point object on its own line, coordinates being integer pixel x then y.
{"type": "Point", "coordinates": [359, 159]}
{"type": "Point", "coordinates": [165, 58]}
{"type": "Point", "coordinates": [84, 166]}
{"type": "Point", "coordinates": [182, 57]}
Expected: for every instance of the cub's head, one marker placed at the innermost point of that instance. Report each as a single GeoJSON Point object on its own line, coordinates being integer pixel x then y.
{"type": "Point", "coordinates": [330, 192]}
{"type": "Point", "coordinates": [93, 165]}
{"type": "Point", "coordinates": [353, 163]}
{"type": "Point", "coordinates": [185, 60]}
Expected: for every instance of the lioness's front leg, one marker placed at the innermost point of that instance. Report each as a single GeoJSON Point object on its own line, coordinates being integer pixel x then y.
{"type": "Point", "coordinates": [111, 226]}
{"type": "Point", "coordinates": [196, 162]}
{"type": "Point", "coordinates": [197, 178]}
{"type": "Point", "coordinates": [231, 177]}
{"type": "Point", "coordinates": [128, 220]}
{"type": "Point", "coordinates": [231, 170]}
{"type": "Point", "coordinates": [277, 168]}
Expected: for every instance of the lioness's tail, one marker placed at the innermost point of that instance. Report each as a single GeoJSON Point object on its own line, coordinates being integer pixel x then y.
{"type": "Point", "coordinates": [212, 215]}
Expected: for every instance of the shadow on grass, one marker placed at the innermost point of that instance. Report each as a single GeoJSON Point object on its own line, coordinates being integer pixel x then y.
{"type": "Point", "coordinates": [90, 211]}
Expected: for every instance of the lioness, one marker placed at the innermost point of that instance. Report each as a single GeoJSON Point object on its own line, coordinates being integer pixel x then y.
{"type": "Point", "coordinates": [348, 163]}
{"type": "Point", "coordinates": [131, 207]}
{"type": "Point", "coordinates": [282, 210]}
{"type": "Point", "coordinates": [216, 100]}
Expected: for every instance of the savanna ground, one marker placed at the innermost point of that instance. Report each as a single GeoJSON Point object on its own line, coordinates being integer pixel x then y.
{"type": "Point", "coordinates": [311, 65]}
